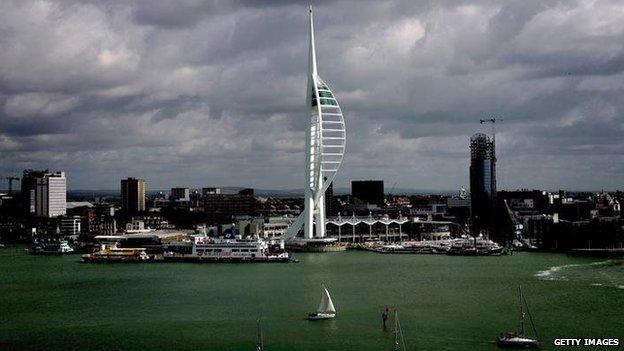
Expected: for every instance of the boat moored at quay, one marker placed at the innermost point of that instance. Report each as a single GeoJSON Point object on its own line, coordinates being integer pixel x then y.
{"type": "Point", "coordinates": [466, 246]}
{"type": "Point", "coordinates": [236, 249]}
{"type": "Point", "coordinates": [194, 248]}
{"type": "Point", "coordinates": [53, 247]}
{"type": "Point", "coordinates": [108, 253]}
{"type": "Point", "coordinates": [474, 247]}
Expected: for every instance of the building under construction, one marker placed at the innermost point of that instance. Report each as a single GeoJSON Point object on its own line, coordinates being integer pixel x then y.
{"type": "Point", "coordinates": [482, 182]}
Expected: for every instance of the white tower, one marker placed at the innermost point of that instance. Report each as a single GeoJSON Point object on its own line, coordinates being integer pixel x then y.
{"type": "Point", "coordinates": [325, 146]}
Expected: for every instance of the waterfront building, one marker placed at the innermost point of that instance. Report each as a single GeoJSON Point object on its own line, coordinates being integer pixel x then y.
{"type": "Point", "coordinates": [152, 221]}
{"type": "Point", "coordinates": [457, 202]}
{"type": "Point", "coordinates": [482, 182]}
{"type": "Point", "coordinates": [103, 224]}
{"type": "Point", "coordinates": [526, 201]}
{"type": "Point", "coordinates": [211, 191]}
{"type": "Point", "coordinates": [10, 226]}
{"type": "Point", "coordinates": [391, 227]}
{"type": "Point", "coordinates": [96, 219]}
{"type": "Point", "coordinates": [368, 191]}
{"type": "Point", "coordinates": [324, 149]}
{"type": "Point", "coordinates": [220, 208]}
{"type": "Point", "coordinates": [44, 227]}
{"type": "Point", "coordinates": [268, 228]}
{"type": "Point", "coordinates": [133, 195]}
{"type": "Point", "coordinates": [458, 208]}
{"type": "Point", "coordinates": [273, 230]}
{"type": "Point", "coordinates": [246, 191]}
{"type": "Point", "coordinates": [137, 226]}
{"type": "Point", "coordinates": [180, 194]}
{"type": "Point", "coordinates": [44, 193]}
{"type": "Point", "coordinates": [70, 225]}
{"type": "Point", "coordinates": [195, 196]}
{"type": "Point", "coordinates": [430, 209]}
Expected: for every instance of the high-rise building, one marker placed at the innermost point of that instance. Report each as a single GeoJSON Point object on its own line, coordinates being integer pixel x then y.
{"type": "Point", "coordinates": [29, 188]}
{"type": "Point", "coordinates": [133, 195]}
{"type": "Point", "coordinates": [368, 191]}
{"type": "Point", "coordinates": [44, 193]}
{"type": "Point", "coordinates": [482, 182]}
{"type": "Point", "coordinates": [180, 193]}
{"type": "Point", "coordinates": [330, 201]}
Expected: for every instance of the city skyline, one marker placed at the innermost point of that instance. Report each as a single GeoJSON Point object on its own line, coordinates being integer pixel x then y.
{"type": "Point", "coordinates": [210, 94]}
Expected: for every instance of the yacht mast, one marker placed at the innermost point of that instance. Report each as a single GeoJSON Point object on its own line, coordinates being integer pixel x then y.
{"type": "Point", "coordinates": [399, 342]}
{"type": "Point", "coordinates": [259, 342]}
{"type": "Point", "coordinates": [530, 317]}
{"type": "Point", "coordinates": [521, 311]}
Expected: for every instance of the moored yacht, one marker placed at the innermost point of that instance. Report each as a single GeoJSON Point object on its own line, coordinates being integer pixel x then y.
{"type": "Point", "coordinates": [54, 247]}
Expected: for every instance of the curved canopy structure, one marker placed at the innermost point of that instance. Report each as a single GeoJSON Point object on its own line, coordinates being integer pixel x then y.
{"type": "Point", "coordinates": [325, 146]}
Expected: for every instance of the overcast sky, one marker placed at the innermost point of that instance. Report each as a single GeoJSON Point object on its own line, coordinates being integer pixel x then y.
{"type": "Point", "coordinates": [212, 93]}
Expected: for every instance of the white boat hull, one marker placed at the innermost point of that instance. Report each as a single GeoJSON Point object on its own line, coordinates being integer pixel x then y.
{"type": "Point", "coordinates": [318, 316]}
{"type": "Point", "coordinates": [517, 342]}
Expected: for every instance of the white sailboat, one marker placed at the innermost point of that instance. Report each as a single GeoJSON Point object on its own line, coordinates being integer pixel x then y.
{"type": "Point", "coordinates": [518, 339]}
{"type": "Point", "coordinates": [326, 309]}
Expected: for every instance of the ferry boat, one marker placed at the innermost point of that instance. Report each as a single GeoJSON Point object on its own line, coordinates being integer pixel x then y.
{"type": "Point", "coordinates": [56, 247]}
{"type": "Point", "coordinates": [251, 249]}
{"type": "Point", "coordinates": [108, 253]}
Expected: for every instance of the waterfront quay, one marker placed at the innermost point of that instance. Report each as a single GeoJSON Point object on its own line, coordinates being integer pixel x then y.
{"type": "Point", "coordinates": [444, 302]}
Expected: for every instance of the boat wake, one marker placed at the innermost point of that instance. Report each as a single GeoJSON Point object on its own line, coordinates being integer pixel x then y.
{"type": "Point", "coordinates": [554, 272]}
{"type": "Point", "coordinates": [607, 273]}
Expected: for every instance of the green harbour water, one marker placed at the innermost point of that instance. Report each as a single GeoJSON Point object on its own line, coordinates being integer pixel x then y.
{"type": "Point", "coordinates": [444, 302]}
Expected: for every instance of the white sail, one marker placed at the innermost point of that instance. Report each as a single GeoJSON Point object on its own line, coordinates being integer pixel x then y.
{"type": "Point", "coordinates": [326, 305]}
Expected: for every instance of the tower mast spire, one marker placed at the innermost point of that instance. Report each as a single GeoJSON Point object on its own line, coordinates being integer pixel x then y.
{"type": "Point", "coordinates": [312, 65]}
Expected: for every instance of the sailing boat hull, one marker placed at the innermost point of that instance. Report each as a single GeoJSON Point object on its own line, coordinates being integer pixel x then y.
{"type": "Point", "coordinates": [319, 316]}
{"type": "Point", "coordinates": [517, 343]}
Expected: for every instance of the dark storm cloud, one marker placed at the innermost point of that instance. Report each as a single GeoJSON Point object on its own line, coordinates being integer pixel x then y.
{"type": "Point", "coordinates": [212, 92]}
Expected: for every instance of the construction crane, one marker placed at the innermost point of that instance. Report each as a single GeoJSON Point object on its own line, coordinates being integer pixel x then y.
{"type": "Point", "coordinates": [493, 121]}
{"type": "Point", "coordinates": [11, 179]}
{"type": "Point", "coordinates": [392, 189]}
